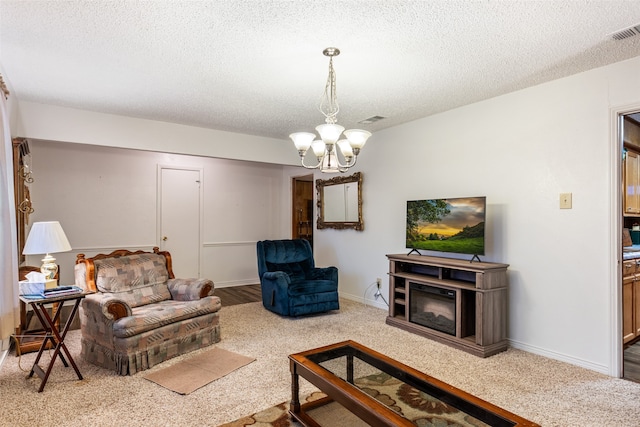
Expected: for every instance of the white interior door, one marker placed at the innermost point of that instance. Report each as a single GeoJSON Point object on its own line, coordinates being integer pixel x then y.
{"type": "Point", "coordinates": [180, 208]}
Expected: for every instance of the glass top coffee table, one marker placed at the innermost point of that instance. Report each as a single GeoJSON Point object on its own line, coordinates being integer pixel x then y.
{"type": "Point", "coordinates": [384, 392]}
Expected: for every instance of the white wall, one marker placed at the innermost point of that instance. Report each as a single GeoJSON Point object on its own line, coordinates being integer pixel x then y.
{"type": "Point", "coordinates": [54, 123]}
{"type": "Point", "coordinates": [105, 198]}
{"type": "Point", "coordinates": [520, 150]}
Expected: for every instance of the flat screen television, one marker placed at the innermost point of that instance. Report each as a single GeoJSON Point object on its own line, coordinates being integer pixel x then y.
{"type": "Point", "coordinates": [447, 225]}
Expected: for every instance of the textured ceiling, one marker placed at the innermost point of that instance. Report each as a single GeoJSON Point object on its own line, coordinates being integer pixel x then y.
{"type": "Point", "coordinates": [257, 67]}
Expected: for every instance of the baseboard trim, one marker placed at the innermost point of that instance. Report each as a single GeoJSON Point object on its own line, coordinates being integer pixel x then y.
{"type": "Point", "coordinates": [369, 302]}
{"type": "Point", "coordinates": [603, 369]}
{"type": "Point", "coordinates": [232, 283]}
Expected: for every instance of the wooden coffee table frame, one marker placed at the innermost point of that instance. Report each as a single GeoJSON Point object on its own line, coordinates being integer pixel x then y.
{"type": "Point", "coordinates": [307, 365]}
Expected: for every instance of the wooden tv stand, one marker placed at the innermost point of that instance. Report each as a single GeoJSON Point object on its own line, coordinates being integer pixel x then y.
{"type": "Point", "coordinates": [480, 295]}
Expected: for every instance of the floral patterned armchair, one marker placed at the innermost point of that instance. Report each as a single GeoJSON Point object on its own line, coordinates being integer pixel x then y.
{"type": "Point", "coordinates": [140, 315]}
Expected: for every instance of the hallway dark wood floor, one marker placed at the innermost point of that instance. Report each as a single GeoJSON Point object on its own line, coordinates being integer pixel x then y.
{"type": "Point", "coordinates": [632, 362]}
{"type": "Point", "coordinates": [234, 295]}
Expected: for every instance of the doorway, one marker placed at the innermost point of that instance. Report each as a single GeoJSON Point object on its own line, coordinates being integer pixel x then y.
{"type": "Point", "coordinates": [302, 205]}
{"type": "Point", "coordinates": [179, 217]}
{"type": "Point", "coordinates": [629, 137]}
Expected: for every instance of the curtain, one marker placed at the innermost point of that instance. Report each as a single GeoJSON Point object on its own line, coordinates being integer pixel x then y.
{"type": "Point", "coordinates": [9, 307]}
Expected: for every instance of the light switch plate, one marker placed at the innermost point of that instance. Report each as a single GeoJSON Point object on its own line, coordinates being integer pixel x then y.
{"type": "Point", "coordinates": [565, 200]}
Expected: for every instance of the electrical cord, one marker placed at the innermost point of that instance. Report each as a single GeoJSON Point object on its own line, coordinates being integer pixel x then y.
{"type": "Point", "coordinates": [16, 339]}
{"type": "Point", "coordinates": [377, 295]}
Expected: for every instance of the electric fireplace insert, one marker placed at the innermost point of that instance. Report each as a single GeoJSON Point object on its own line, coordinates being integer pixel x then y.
{"type": "Point", "coordinates": [433, 307]}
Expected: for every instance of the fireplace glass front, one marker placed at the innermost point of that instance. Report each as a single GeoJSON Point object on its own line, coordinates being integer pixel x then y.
{"type": "Point", "coordinates": [433, 307]}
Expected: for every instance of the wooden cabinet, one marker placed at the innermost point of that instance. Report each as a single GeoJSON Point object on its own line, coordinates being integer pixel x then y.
{"type": "Point", "coordinates": [636, 306]}
{"type": "Point", "coordinates": [630, 300]}
{"type": "Point", "coordinates": [470, 296]}
{"type": "Point", "coordinates": [631, 183]}
{"type": "Point", "coordinates": [631, 132]}
{"type": "Point", "coordinates": [628, 332]}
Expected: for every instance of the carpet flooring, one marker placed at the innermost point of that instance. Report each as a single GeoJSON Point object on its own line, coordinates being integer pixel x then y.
{"type": "Point", "coordinates": [330, 415]}
{"type": "Point", "coordinates": [546, 391]}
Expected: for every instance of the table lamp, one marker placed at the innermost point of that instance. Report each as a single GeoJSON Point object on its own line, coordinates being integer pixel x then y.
{"type": "Point", "coordinates": [45, 238]}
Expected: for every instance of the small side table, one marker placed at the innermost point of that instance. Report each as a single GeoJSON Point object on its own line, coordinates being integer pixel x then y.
{"type": "Point", "coordinates": [53, 334]}
{"type": "Point", "coordinates": [30, 339]}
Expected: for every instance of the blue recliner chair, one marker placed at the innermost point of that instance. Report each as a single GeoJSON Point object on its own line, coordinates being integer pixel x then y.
{"type": "Point", "coordinates": [291, 284]}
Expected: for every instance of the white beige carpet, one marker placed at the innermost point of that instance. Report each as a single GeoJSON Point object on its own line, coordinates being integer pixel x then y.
{"type": "Point", "coordinates": [548, 392]}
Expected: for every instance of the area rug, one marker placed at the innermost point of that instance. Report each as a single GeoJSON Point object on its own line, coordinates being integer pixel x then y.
{"type": "Point", "coordinates": [192, 373]}
{"type": "Point", "coordinates": [418, 407]}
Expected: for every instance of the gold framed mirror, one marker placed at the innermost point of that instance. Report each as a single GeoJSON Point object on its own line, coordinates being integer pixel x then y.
{"type": "Point", "coordinates": [340, 202]}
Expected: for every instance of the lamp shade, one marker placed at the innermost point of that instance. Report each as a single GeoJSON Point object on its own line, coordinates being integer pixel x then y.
{"type": "Point", "coordinates": [345, 148]}
{"type": "Point", "coordinates": [318, 148]}
{"type": "Point", "coordinates": [46, 237]}
{"type": "Point", "coordinates": [329, 133]}
{"type": "Point", "coordinates": [357, 137]}
{"type": "Point", "coordinates": [302, 140]}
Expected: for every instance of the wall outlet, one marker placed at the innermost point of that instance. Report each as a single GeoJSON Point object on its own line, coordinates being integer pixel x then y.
{"type": "Point", "coordinates": [565, 200]}
{"type": "Point", "coordinates": [379, 282]}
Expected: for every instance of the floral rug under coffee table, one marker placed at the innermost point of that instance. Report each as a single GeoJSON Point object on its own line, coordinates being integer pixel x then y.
{"type": "Point", "coordinates": [423, 410]}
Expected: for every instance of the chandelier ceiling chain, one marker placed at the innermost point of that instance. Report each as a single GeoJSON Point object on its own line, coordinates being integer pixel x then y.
{"type": "Point", "coordinates": [327, 157]}
{"type": "Point", "coordinates": [329, 101]}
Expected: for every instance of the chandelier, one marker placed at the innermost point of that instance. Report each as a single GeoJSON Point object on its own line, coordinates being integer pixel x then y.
{"type": "Point", "coordinates": [324, 148]}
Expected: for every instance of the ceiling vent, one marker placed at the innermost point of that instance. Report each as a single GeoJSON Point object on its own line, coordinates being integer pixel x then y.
{"type": "Point", "coordinates": [626, 33]}
{"type": "Point", "coordinates": [371, 120]}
